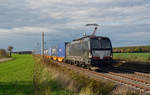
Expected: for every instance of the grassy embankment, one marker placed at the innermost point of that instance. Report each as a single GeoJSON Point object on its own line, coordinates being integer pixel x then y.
{"type": "Point", "coordinates": [133, 57]}
{"type": "Point", "coordinates": [16, 76]}
{"type": "Point", "coordinates": [53, 79]}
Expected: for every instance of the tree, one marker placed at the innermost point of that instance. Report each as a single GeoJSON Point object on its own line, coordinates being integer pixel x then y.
{"type": "Point", "coordinates": [10, 48]}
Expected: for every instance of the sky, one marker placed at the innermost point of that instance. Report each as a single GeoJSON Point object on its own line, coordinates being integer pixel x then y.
{"type": "Point", "coordinates": [125, 22]}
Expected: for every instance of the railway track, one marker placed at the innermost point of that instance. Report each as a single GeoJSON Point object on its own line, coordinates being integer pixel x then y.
{"type": "Point", "coordinates": [147, 74]}
{"type": "Point", "coordinates": [143, 85]}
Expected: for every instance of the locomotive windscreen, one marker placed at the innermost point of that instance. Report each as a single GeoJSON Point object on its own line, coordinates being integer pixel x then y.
{"type": "Point", "coordinates": [105, 43]}
{"type": "Point", "coordinates": [102, 43]}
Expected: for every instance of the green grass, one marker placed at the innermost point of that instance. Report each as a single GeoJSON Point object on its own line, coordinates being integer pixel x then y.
{"type": "Point", "coordinates": [137, 57]}
{"type": "Point", "coordinates": [16, 76]}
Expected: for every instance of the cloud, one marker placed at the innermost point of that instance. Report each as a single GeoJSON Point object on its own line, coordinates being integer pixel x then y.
{"type": "Point", "coordinates": [24, 29]}
{"type": "Point", "coordinates": [73, 13]}
{"type": "Point", "coordinates": [121, 20]}
{"type": "Point", "coordinates": [102, 11]}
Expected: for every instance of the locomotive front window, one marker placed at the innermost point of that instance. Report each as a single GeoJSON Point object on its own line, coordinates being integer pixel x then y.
{"type": "Point", "coordinates": [95, 43]}
{"type": "Point", "coordinates": [98, 44]}
{"type": "Point", "coordinates": [105, 43]}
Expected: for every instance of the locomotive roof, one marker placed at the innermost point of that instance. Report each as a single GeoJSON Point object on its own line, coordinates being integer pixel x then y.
{"type": "Point", "coordinates": [89, 36]}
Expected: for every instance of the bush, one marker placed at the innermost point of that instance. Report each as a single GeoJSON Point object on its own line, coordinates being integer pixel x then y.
{"type": "Point", "coordinates": [3, 53]}
{"type": "Point", "coordinates": [149, 58]}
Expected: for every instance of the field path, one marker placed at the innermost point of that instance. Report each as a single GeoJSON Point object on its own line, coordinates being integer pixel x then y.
{"type": "Point", "coordinates": [16, 76]}
{"type": "Point", "coordinates": [5, 59]}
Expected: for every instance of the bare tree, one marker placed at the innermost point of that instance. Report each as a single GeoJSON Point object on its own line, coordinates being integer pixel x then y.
{"type": "Point", "coordinates": [10, 48]}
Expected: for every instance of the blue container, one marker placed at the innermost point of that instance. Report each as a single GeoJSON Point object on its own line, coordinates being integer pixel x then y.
{"type": "Point", "coordinates": [61, 51]}
{"type": "Point", "coordinates": [50, 52]}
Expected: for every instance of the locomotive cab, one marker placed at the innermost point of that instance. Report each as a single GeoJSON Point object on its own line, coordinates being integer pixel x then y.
{"type": "Point", "coordinates": [101, 50]}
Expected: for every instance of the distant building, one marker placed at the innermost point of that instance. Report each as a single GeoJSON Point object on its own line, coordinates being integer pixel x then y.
{"type": "Point", "coordinates": [23, 52]}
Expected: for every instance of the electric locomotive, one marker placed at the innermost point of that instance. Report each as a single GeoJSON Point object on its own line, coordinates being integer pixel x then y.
{"type": "Point", "coordinates": [89, 50]}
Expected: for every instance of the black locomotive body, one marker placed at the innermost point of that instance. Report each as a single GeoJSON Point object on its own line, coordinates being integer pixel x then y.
{"type": "Point", "coordinates": [89, 50]}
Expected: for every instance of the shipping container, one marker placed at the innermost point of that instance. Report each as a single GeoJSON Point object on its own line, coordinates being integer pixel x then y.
{"type": "Point", "coordinates": [54, 52]}
{"type": "Point", "coordinates": [50, 52]}
{"type": "Point", "coordinates": [61, 52]}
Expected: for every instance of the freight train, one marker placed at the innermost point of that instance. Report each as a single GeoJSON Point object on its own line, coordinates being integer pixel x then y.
{"type": "Point", "coordinates": [85, 51]}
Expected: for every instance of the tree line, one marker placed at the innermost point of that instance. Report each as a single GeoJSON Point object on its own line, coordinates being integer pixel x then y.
{"type": "Point", "coordinates": [133, 49]}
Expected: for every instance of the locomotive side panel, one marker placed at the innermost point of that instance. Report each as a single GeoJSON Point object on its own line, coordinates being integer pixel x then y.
{"type": "Point", "coordinates": [78, 51]}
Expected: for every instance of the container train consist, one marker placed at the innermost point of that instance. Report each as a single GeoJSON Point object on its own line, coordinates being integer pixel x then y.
{"type": "Point", "coordinates": [88, 50]}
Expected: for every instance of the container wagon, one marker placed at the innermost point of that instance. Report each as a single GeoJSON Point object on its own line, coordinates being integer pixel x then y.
{"type": "Point", "coordinates": [61, 52]}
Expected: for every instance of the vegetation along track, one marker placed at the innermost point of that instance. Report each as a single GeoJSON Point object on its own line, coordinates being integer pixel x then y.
{"type": "Point", "coordinates": [115, 76]}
